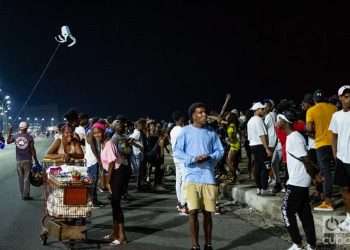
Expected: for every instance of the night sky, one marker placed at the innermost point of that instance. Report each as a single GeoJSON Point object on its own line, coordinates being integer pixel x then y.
{"type": "Point", "coordinates": [152, 57]}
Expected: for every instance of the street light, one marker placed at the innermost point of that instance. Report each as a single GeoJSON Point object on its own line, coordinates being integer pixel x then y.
{"type": "Point", "coordinates": [43, 119]}
{"type": "Point", "coordinates": [7, 97]}
{"type": "Point", "coordinates": [28, 118]}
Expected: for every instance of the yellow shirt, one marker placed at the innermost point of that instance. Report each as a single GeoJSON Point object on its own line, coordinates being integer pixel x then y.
{"type": "Point", "coordinates": [320, 115]}
{"type": "Point", "coordinates": [232, 136]}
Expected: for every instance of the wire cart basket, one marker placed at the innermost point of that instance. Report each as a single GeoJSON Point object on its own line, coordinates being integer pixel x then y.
{"type": "Point", "coordinates": [67, 206]}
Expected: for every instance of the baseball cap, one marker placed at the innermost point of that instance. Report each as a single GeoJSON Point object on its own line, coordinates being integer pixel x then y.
{"type": "Point", "coordinates": [318, 95]}
{"type": "Point", "coordinates": [258, 105]}
{"type": "Point", "coordinates": [342, 90]}
{"type": "Point", "coordinates": [287, 116]}
{"type": "Point", "coordinates": [23, 125]}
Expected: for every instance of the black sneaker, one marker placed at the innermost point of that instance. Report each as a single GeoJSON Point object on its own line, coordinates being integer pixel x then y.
{"type": "Point", "coordinates": [28, 198]}
{"type": "Point", "coordinates": [98, 204]}
{"type": "Point", "coordinates": [208, 247]}
{"type": "Point", "coordinates": [277, 188]}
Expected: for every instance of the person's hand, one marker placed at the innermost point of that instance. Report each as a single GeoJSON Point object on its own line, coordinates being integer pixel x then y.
{"type": "Point", "coordinates": [161, 143]}
{"type": "Point", "coordinates": [268, 152]}
{"type": "Point", "coordinates": [67, 158]}
{"type": "Point", "coordinates": [318, 179]}
{"type": "Point", "coordinates": [201, 158]}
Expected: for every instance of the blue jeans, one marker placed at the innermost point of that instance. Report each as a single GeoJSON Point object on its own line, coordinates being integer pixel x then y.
{"type": "Point", "coordinates": [324, 159]}
{"type": "Point", "coordinates": [93, 173]}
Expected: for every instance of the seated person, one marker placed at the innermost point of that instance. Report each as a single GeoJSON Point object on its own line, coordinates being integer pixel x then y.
{"type": "Point", "coordinates": [67, 148]}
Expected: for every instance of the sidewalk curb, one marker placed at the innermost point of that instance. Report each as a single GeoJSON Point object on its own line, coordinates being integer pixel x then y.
{"type": "Point", "coordinates": [271, 206]}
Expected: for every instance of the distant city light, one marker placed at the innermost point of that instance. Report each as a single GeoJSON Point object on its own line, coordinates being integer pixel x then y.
{"type": "Point", "coordinates": [28, 118]}
{"type": "Point", "coordinates": [7, 97]}
{"type": "Point", "coordinates": [52, 119]}
{"type": "Point", "coordinates": [43, 119]}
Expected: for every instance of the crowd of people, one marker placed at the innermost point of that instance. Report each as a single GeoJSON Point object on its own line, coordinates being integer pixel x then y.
{"type": "Point", "coordinates": [289, 146]}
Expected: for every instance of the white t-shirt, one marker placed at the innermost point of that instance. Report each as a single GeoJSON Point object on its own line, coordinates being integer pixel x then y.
{"type": "Point", "coordinates": [311, 143]}
{"type": "Point", "coordinates": [296, 145]}
{"type": "Point", "coordinates": [270, 122]}
{"type": "Point", "coordinates": [136, 135]}
{"type": "Point", "coordinates": [81, 132]}
{"type": "Point", "coordinates": [89, 155]}
{"type": "Point", "coordinates": [340, 125]}
{"type": "Point", "coordinates": [255, 129]}
{"type": "Point", "coordinates": [174, 134]}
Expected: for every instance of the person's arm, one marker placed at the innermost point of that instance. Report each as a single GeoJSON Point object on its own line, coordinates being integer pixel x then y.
{"type": "Point", "coordinates": [52, 152]}
{"type": "Point", "coordinates": [32, 148]}
{"type": "Point", "coordinates": [333, 128]}
{"type": "Point", "coordinates": [108, 178]}
{"type": "Point", "coordinates": [179, 151]}
{"type": "Point", "coordinates": [218, 149]}
{"type": "Point", "coordinates": [310, 125]}
{"type": "Point", "coordinates": [10, 138]}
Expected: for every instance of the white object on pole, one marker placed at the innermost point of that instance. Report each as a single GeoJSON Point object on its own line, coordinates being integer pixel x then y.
{"type": "Point", "coordinates": [65, 34]}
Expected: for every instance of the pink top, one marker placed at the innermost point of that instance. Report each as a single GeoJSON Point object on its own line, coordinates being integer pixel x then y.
{"type": "Point", "coordinates": [109, 155]}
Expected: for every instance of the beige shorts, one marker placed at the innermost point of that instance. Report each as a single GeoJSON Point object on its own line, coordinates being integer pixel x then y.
{"type": "Point", "coordinates": [201, 196]}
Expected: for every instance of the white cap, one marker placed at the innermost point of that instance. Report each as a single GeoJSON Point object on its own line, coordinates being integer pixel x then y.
{"type": "Point", "coordinates": [284, 118]}
{"type": "Point", "coordinates": [257, 105]}
{"type": "Point", "coordinates": [235, 111]}
{"type": "Point", "coordinates": [342, 89]}
{"type": "Point", "coordinates": [23, 125]}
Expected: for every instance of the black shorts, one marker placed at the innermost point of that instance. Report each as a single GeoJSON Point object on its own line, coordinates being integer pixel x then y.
{"type": "Point", "coordinates": [342, 174]}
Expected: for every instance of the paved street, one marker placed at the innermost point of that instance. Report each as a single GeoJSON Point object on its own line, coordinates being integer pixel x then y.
{"type": "Point", "coordinates": [151, 221]}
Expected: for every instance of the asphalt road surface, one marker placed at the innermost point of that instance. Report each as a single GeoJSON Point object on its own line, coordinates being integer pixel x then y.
{"type": "Point", "coordinates": [151, 220]}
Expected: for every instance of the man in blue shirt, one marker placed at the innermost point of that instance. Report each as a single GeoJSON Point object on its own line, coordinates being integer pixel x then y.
{"type": "Point", "coordinates": [200, 149]}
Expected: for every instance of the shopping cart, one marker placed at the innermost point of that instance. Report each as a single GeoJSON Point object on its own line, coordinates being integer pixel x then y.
{"type": "Point", "coordinates": [67, 206]}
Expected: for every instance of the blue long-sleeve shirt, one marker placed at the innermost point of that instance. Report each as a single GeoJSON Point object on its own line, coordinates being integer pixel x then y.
{"type": "Point", "coordinates": [193, 142]}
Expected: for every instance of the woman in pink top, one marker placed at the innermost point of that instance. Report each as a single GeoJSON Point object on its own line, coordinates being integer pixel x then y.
{"type": "Point", "coordinates": [115, 160]}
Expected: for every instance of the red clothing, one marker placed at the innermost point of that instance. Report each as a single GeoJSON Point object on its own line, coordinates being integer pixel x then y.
{"type": "Point", "coordinates": [282, 136]}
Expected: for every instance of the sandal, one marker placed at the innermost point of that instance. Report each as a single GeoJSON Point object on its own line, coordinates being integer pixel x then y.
{"type": "Point", "coordinates": [108, 237]}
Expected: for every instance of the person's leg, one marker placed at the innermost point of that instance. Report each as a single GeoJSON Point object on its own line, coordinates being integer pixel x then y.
{"type": "Point", "coordinates": [290, 207]}
{"type": "Point", "coordinates": [324, 157]}
{"type": "Point", "coordinates": [20, 174]}
{"type": "Point", "coordinates": [210, 195]}
{"type": "Point", "coordinates": [27, 167]}
{"type": "Point", "coordinates": [178, 186]}
{"type": "Point", "coordinates": [249, 158]}
{"type": "Point", "coordinates": [208, 227]}
{"type": "Point", "coordinates": [275, 163]}
{"type": "Point", "coordinates": [118, 179]}
{"type": "Point", "coordinates": [307, 219]}
{"type": "Point", "coordinates": [194, 200]}
{"type": "Point", "coordinates": [194, 227]}
{"type": "Point", "coordinates": [92, 173]}
{"type": "Point", "coordinates": [231, 160]}
{"type": "Point", "coordinates": [257, 160]}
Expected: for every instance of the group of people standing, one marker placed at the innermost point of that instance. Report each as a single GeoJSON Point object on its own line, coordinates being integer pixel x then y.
{"type": "Point", "coordinates": [304, 143]}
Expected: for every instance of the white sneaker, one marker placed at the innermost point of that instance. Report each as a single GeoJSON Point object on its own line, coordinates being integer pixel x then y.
{"type": "Point", "coordinates": [283, 190]}
{"type": "Point", "coordinates": [345, 225]}
{"type": "Point", "coordinates": [308, 247]}
{"type": "Point", "coordinates": [295, 247]}
{"type": "Point", "coordinates": [258, 191]}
